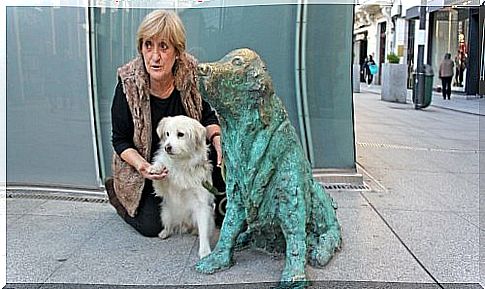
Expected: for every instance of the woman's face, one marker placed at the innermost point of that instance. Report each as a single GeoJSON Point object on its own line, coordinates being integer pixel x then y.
{"type": "Point", "coordinates": [159, 57]}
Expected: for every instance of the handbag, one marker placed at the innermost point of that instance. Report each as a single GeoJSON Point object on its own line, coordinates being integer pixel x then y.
{"type": "Point", "coordinates": [373, 69]}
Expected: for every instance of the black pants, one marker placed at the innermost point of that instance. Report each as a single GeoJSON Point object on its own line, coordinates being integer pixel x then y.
{"type": "Point", "coordinates": [147, 221]}
{"type": "Point", "coordinates": [446, 86]}
{"type": "Point", "coordinates": [459, 76]}
{"type": "Point", "coordinates": [369, 78]}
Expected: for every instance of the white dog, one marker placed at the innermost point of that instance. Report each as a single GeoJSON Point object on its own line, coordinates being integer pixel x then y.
{"type": "Point", "coordinates": [187, 206]}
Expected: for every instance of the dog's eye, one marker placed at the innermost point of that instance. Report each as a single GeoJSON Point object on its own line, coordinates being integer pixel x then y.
{"type": "Point", "coordinates": [180, 134]}
{"type": "Point", "coordinates": [167, 133]}
{"type": "Point", "coordinates": [237, 61]}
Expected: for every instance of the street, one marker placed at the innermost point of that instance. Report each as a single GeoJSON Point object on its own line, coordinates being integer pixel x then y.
{"type": "Point", "coordinates": [424, 165]}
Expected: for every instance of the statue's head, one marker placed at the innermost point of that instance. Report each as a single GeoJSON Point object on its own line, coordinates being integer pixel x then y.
{"type": "Point", "coordinates": [235, 84]}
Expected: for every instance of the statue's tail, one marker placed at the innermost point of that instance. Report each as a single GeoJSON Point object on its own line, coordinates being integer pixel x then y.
{"type": "Point", "coordinates": [324, 238]}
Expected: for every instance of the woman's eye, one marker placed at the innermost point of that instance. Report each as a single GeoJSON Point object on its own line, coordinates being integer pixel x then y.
{"type": "Point", "coordinates": [148, 44]}
{"type": "Point", "coordinates": [180, 134]}
{"type": "Point", "coordinates": [237, 61]}
{"type": "Point", "coordinates": [163, 46]}
{"type": "Point", "coordinates": [167, 133]}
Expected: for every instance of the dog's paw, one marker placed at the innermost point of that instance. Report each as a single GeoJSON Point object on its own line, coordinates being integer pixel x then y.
{"type": "Point", "coordinates": [164, 234]}
{"type": "Point", "coordinates": [204, 252]}
{"type": "Point", "coordinates": [156, 169]}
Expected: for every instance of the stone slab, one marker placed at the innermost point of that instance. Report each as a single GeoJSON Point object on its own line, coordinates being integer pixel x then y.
{"type": "Point", "coordinates": [445, 244]}
{"type": "Point", "coordinates": [367, 245]}
{"type": "Point", "coordinates": [117, 254]}
{"type": "Point", "coordinates": [347, 200]}
{"type": "Point", "coordinates": [74, 209]}
{"type": "Point", "coordinates": [38, 245]}
{"type": "Point", "coordinates": [22, 206]}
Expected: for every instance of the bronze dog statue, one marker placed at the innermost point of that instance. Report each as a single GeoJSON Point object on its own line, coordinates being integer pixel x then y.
{"type": "Point", "coordinates": [269, 180]}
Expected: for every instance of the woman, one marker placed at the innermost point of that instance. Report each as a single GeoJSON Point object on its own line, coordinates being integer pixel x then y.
{"type": "Point", "coordinates": [370, 74]}
{"type": "Point", "coordinates": [446, 75]}
{"type": "Point", "coordinates": [159, 82]}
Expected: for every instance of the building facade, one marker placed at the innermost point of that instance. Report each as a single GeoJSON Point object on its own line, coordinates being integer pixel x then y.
{"type": "Point", "coordinates": [454, 30]}
{"type": "Point", "coordinates": [451, 27]}
{"type": "Point", "coordinates": [61, 76]}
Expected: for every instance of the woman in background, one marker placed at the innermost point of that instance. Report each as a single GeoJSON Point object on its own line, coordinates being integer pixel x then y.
{"type": "Point", "coordinates": [446, 75]}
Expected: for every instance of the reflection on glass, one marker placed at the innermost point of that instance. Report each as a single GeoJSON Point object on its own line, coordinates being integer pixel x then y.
{"type": "Point", "coordinates": [269, 30]}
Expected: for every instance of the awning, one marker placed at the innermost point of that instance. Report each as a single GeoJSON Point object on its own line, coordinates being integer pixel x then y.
{"type": "Point", "coordinates": [413, 12]}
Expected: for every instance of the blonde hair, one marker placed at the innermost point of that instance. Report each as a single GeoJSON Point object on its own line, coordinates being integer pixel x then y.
{"type": "Point", "coordinates": [164, 23]}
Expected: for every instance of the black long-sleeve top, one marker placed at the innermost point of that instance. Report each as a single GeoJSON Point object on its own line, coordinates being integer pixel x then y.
{"type": "Point", "coordinates": [122, 120]}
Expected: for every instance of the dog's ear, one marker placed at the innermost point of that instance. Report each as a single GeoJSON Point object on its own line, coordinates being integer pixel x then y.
{"type": "Point", "coordinates": [200, 134]}
{"type": "Point", "coordinates": [161, 127]}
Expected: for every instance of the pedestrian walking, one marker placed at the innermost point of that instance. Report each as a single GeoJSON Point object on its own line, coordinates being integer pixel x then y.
{"type": "Point", "coordinates": [446, 75]}
{"type": "Point", "coordinates": [371, 69]}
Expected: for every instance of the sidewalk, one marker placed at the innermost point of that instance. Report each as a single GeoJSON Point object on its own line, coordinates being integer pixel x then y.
{"type": "Point", "coordinates": [458, 102]}
{"type": "Point", "coordinates": [78, 241]}
{"type": "Point", "coordinates": [77, 244]}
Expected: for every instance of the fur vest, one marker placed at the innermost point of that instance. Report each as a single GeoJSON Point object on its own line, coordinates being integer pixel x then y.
{"type": "Point", "coordinates": [128, 182]}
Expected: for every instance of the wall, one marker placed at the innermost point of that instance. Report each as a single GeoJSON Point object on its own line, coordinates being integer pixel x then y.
{"type": "Point", "coordinates": [212, 32]}
{"type": "Point", "coordinates": [49, 109]}
{"type": "Point", "coordinates": [58, 116]}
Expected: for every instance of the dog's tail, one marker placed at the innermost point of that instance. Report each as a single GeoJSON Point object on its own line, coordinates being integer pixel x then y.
{"type": "Point", "coordinates": [324, 238]}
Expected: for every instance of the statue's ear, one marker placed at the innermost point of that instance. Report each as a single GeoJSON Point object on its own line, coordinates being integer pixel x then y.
{"type": "Point", "coordinates": [265, 92]}
{"type": "Point", "coordinates": [264, 109]}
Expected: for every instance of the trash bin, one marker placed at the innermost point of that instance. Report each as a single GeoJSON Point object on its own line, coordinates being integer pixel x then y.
{"type": "Point", "coordinates": [428, 85]}
{"type": "Point", "coordinates": [424, 100]}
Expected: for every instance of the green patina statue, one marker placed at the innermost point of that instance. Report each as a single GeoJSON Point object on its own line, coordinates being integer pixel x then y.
{"type": "Point", "coordinates": [270, 187]}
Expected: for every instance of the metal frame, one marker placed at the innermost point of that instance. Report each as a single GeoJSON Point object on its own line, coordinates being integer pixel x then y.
{"type": "Point", "coordinates": [93, 103]}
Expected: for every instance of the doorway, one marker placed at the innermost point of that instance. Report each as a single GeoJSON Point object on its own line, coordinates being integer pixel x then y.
{"type": "Point", "coordinates": [362, 57]}
{"type": "Point", "coordinates": [410, 52]}
{"type": "Point", "coordinates": [382, 47]}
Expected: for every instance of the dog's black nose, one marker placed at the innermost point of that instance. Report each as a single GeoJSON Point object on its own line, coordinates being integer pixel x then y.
{"type": "Point", "coordinates": [204, 69]}
{"type": "Point", "coordinates": [168, 149]}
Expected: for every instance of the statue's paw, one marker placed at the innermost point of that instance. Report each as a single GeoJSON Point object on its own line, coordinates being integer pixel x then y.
{"type": "Point", "coordinates": [323, 253]}
{"type": "Point", "coordinates": [243, 241]}
{"type": "Point", "coordinates": [289, 280]}
{"type": "Point", "coordinates": [216, 261]}
{"type": "Point", "coordinates": [293, 277]}
{"type": "Point", "coordinates": [293, 285]}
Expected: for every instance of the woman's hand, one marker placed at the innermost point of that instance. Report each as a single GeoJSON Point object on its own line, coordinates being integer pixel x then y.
{"type": "Point", "coordinates": [216, 142]}
{"type": "Point", "coordinates": [152, 172]}
{"type": "Point", "coordinates": [214, 137]}
{"type": "Point", "coordinates": [148, 171]}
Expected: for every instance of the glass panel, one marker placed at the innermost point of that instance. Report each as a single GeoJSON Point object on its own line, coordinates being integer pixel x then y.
{"type": "Point", "coordinates": [114, 44]}
{"type": "Point", "coordinates": [49, 136]}
{"type": "Point", "coordinates": [328, 62]}
{"type": "Point", "coordinates": [269, 30]}
{"type": "Point", "coordinates": [450, 36]}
